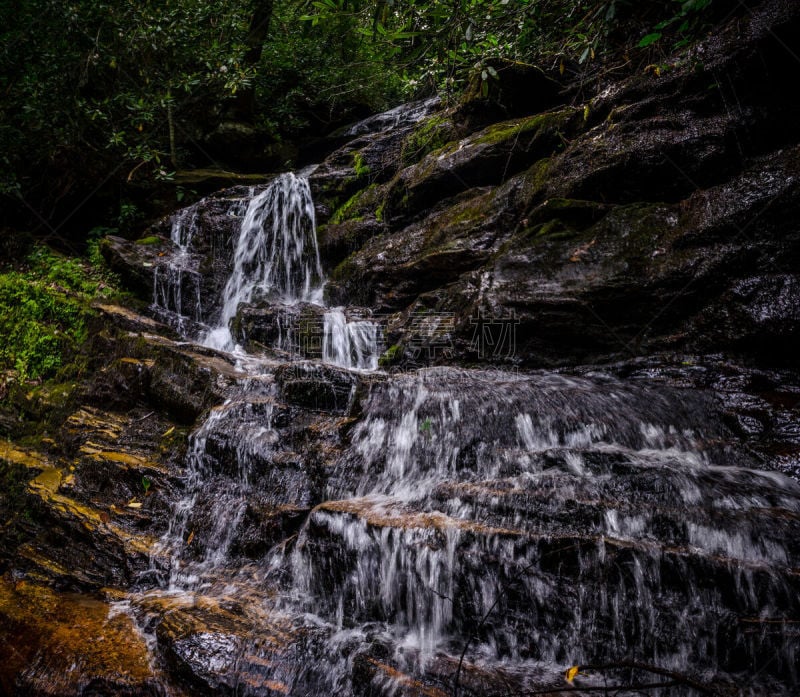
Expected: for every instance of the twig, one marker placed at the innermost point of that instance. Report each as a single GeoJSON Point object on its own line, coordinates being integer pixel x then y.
{"type": "Point", "coordinates": [597, 688]}
{"type": "Point", "coordinates": [680, 677]}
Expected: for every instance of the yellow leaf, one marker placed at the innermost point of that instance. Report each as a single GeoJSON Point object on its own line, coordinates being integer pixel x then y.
{"type": "Point", "coordinates": [134, 504]}
{"type": "Point", "coordinates": [562, 67]}
{"type": "Point", "coordinates": [190, 538]}
{"type": "Point", "coordinates": [168, 432]}
{"type": "Point", "coordinates": [571, 673]}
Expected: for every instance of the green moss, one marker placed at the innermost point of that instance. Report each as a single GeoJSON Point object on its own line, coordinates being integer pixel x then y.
{"type": "Point", "coordinates": [468, 214]}
{"type": "Point", "coordinates": [507, 130]}
{"type": "Point", "coordinates": [431, 134]}
{"type": "Point", "coordinates": [151, 240]}
{"type": "Point", "coordinates": [391, 356]}
{"type": "Point", "coordinates": [344, 271]}
{"type": "Point", "coordinates": [354, 207]}
{"type": "Point", "coordinates": [359, 166]}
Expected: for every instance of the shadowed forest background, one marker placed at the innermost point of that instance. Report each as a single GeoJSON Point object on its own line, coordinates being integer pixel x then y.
{"type": "Point", "coordinates": [103, 105]}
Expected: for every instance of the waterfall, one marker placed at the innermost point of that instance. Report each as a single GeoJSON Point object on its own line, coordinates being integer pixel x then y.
{"type": "Point", "coordinates": [349, 344]}
{"type": "Point", "coordinates": [526, 522]}
{"type": "Point", "coordinates": [236, 437]}
{"type": "Point", "coordinates": [520, 522]}
{"type": "Point", "coordinates": [276, 254]}
{"type": "Point", "coordinates": [275, 259]}
{"type": "Point", "coordinates": [176, 285]}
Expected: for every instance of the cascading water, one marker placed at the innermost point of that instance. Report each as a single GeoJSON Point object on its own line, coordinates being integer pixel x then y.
{"type": "Point", "coordinates": [275, 259]}
{"type": "Point", "coordinates": [512, 525]}
{"type": "Point", "coordinates": [582, 518]}
{"type": "Point", "coordinates": [349, 344]}
{"type": "Point", "coordinates": [173, 282]}
{"type": "Point", "coordinates": [276, 254]}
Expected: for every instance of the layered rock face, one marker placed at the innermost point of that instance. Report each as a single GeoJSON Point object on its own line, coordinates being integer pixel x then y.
{"type": "Point", "coordinates": [332, 456]}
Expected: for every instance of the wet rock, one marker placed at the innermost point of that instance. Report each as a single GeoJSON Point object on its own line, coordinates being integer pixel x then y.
{"type": "Point", "coordinates": [65, 644]}
{"type": "Point", "coordinates": [213, 648]}
{"type": "Point", "coordinates": [389, 271]}
{"type": "Point", "coordinates": [130, 321]}
{"type": "Point", "coordinates": [338, 241]}
{"type": "Point", "coordinates": [294, 329]}
{"type": "Point", "coordinates": [317, 386]}
{"type": "Point", "coordinates": [135, 263]}
{"type": "Point", "coordinates": [759, 315]}
{"type": "Point", "coordinates": [184, 382]}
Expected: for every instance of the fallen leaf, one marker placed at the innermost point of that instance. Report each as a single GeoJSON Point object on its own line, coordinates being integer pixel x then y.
{"type": "Point", "coordinates": [571, 673]}
{"type": "Point", "coordinates": [134, 504]}
{"type": "Point", "coordinates": [168, 432]}
{"type": "Point", "coordinates": [190, 538]}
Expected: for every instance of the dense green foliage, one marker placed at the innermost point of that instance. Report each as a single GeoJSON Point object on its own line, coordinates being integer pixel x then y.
{"type": "Point", "coordinates": [45, 310]}
{"type": "Point", "coordinates": [442, 43]}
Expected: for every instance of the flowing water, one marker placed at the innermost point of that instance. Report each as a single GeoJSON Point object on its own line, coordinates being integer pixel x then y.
{"type": "Point", "coordinates": [473, 525]}
{"type": "Point", "coordinates": [276, 254]}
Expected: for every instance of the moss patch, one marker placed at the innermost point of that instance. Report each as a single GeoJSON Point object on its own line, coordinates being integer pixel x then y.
{"type": "Point", "coordinates": [498, 133]}
{"type": "Point", "coordinates": [45, 309]}
{"type": "Point", "coordinates": [359, 166]}
{"type": "Point", "coordinates": [391, 356]}
{"type": "Point", "coordinates": [354, 207]}
{"type": "Point", "coordinates": [431, 134]}
{"type": "Point", "coordinates": [151, 240]}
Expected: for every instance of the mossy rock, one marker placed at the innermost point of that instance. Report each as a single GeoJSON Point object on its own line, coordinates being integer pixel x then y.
{"type": "Point", "coordinates": [429, 135]}
{"type": "Point", "coordinates": [363, 203]}
{"type": "Point", "coordinates": [488, 157]}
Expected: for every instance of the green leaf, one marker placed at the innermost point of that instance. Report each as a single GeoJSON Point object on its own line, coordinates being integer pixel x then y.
{"type": "Point", "coordinates": [650, 39]}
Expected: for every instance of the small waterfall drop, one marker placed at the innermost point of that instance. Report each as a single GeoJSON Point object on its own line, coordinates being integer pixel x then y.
{"type": "Point", "coordinates": [349, 343]}
{"type": "Point", "coordinates": [176, 285]}
{"type": "Point", "coordinates": [274, 260]}
{"type": "Point", "coordinates": [276, 254]}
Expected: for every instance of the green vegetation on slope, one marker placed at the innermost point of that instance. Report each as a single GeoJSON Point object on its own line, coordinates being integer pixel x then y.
{"type": "Point", "coordinates": [45, 311]}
